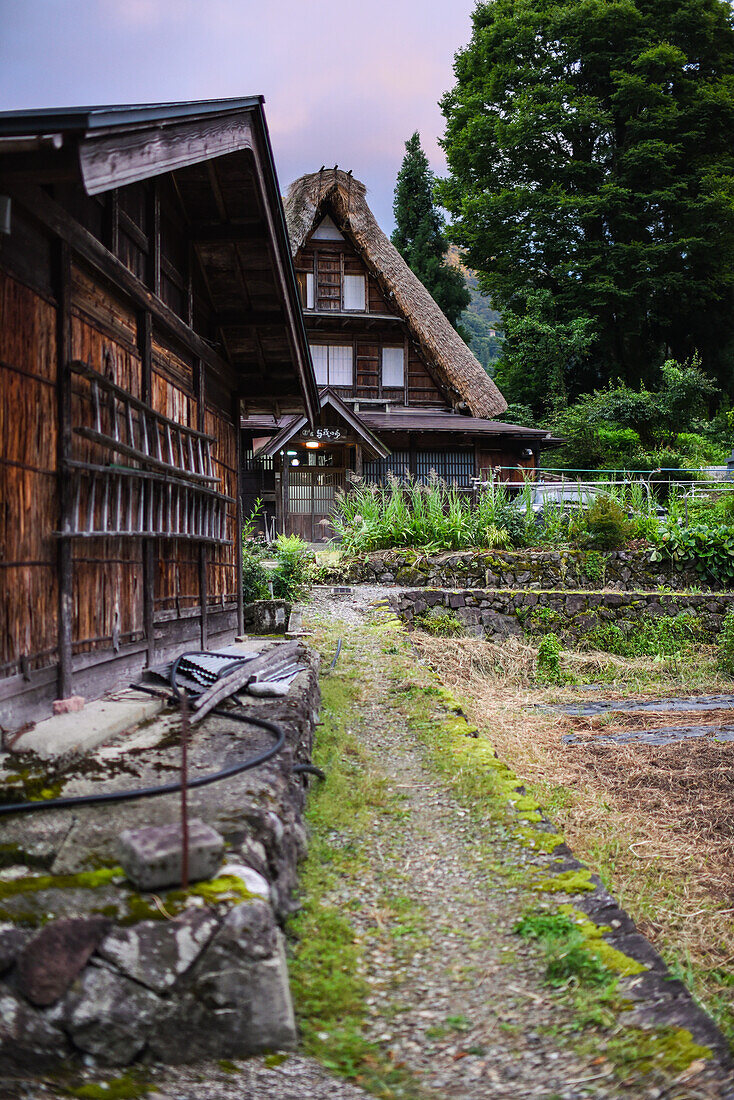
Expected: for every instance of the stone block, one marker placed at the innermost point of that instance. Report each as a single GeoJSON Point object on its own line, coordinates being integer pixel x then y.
{"type": "Point", "coordinates": [267, 616]}
{"type": "Point", "coordinates": [12, 942]}
{"type": "Point", "coordinates": [157, 953]}
{"type": "Point", "coordinates": [28, 1042]}
{"type": "Point", "coordinates": [109, 1016]}
{"type": "Point", "coordinates": [51, 961]}
{"type": "Point", "coordinates": [69, 706]}
{"type": "Point", "coordinates": [151, 856]}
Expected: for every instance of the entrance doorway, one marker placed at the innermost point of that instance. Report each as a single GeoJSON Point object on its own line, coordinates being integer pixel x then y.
{"type": "Point", "coordinates": [314, 477]}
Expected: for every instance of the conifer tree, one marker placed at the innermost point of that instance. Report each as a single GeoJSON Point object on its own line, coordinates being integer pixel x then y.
{"type": "Point", "coordinates": [419, 235]}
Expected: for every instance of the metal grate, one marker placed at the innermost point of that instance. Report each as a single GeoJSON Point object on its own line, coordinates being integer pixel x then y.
{"type": "Point", "coordinates": [453, 467]}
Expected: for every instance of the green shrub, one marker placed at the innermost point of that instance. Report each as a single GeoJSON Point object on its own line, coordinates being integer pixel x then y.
{"type": "Point", "coordinates": [594, 567]}
{"type": "Point", "coordinates": [708, 548]}
{"type": "Point", "coordinates": [292, 574]}
{"type": "Point", "coordinates": [255, 576]}
{"type": "Point", "coordinates": [726, 644]}
{"type": "Point", "coordinates": [542, 619]}
{"type": "Point", "coordinates": [441, 623]}
{"type": "Point", "coordinates": [607, 525]}
{"type": "Point", "coordinates": [548, 666]}
{"type": "Point", "coordinates": [664, 636]}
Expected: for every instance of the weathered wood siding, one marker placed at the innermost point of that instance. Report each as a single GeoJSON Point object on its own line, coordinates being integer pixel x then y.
{"type": "Point", "coordinates": [28, 508]}
{"type": "Point", "coordinates": [107, 573]}
{"type": "Point", "coordinates": [329, 261]}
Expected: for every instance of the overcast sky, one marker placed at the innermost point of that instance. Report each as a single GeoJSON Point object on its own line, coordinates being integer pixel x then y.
{"type": "Point", "coordinates": [344, 82]}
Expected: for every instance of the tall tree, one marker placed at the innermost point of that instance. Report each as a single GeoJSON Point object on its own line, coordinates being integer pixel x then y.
{"type": "Point", "coordinates": [590, 146]}
{"type": "Point", "coordinates": [419, 235]}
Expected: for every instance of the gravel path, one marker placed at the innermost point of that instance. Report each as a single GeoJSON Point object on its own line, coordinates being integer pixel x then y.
{"type": "Point", "coordinates": [460, 1000]}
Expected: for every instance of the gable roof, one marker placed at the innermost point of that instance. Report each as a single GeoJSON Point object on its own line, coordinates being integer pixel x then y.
{"type": "Point", "coordinates": [445, 351]}
{"type": "Point", "coordinates": [219, 156]}
{"type": "Point", "coordinates": [372, 443]}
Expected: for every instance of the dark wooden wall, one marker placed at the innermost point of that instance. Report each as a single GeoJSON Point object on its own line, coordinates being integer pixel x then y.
{"type": "Point", "coordinates": [195, 591]}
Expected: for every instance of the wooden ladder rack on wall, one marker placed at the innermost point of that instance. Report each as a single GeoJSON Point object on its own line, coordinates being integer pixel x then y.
{"type": "Point", "coordinates": [172, 492]}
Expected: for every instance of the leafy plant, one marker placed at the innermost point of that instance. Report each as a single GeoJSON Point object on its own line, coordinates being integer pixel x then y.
{"type": "Point", "coordinates": [548, 667]}
{"type": "Point", "coordinates": [607, 525]}
{"type": "Point", "coordinates": [726, 644]}
{"type": "Point", "coordinates": [442, 623]}
{"type": "Point", "coordinates": [708, 548]}
{"type": "Point", "coordinates": [255, 577]}
{"type": "Point", "coordinates": [292, 574]}
{"type": "Point", "coordinates": [664, 636]}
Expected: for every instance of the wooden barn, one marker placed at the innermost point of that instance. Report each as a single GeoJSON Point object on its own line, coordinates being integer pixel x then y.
{"type": "Point", "coordinates": [146, 292]}
{"type": "Point", "coordinates": [400, 390]}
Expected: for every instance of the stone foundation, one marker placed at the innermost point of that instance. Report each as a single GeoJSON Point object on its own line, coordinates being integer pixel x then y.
{"type": "Point", "coordinates": [574, 616]}
{"type": "Point", "coordinates": [573, 569]}
{"type": "Point", "coordinates": [91, 967]}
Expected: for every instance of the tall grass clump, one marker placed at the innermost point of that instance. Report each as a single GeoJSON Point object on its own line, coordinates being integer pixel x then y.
{"type": "Point", "coordinates": [433, 517]}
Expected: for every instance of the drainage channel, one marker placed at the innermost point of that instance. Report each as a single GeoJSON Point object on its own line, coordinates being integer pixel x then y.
{"type": "Point", "coordinates": [590, 708]}
{"type": "Point", "coordinates": [666, 735]}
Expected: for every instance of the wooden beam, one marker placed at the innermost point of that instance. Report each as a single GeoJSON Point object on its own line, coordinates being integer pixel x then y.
{"type": "Point", "coordinates": [145, 347]}
{"type": "Point", "coordinates": [116, 160]}
{"type": "Point", "coordinates": [235, 318]}
{"type": "Point", "coordinates": [154, 239]}
{"type": "Point", "coordinates": [63, 381]}
{"type": "Point", "coordinates": [236, 414]}
{"type": "Point", "coordinates": [84, 245]}
{"type": "Point", "coordinates": [200, 383]}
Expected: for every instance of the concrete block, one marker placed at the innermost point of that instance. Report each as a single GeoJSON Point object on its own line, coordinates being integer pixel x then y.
{"type": "Point", "coordinates": [72, 734]}
{"type": "Point", "coordinates": [151, 856]}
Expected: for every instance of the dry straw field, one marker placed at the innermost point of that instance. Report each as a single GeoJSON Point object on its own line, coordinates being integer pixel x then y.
{"type": "Point", "coordinates": [656, 822]}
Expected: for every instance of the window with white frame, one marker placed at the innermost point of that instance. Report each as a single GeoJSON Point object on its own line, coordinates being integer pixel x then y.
{"type": "Point", "coordinates": [393, 368]}
{"type": "Point", "coordinates": [332, 364]}
{"type": "Point", "coordinates": [354, 292]}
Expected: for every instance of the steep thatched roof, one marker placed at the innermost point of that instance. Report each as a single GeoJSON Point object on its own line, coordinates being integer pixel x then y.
{"type": "Point", "coordinates": [445, 351]}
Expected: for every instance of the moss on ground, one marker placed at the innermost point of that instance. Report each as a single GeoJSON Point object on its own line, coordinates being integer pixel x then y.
{"type": "Point", "coordinates": [133, 1085]}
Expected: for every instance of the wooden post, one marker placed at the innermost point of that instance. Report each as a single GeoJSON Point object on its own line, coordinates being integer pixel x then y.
{"type": "Point", "coordinates": [238, 515]}
{"type": "Point", "coordinates": [63, 392]}
{"type": "Point", "coordinates": [358, 464]}
{"type": "Point", "coordinates": [284, 492]}
{"type": "Point", "coordinates": [145, 347]}
{"type": "Point", "coordinates": [184, 790]}
{"type": "Point", "coordinates": [200, 380]}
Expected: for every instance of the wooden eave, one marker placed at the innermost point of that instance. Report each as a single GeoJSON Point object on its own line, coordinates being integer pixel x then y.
{"type": "Point", "coordinates": [370, 441]}
{"type": "Point", "coordinates": [220, 160]}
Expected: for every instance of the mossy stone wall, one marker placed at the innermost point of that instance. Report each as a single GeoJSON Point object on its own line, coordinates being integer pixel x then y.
{"type": "Point", "coordinates": [572, 615]}
{"type": "Point", "coordinates": [563, 569]}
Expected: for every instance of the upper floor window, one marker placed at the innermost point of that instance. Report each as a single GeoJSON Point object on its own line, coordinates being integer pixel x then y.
{"type": "Point", "coordinates": [332, 364]}
{"type": "Point", "coordinates": [326, 230]}
{"type": "Point", "coordinates": [393, 368]}
{"type": "Point", "coordinates": [305, 282]}
{"type": "Point", "coordinates": [354, 292]}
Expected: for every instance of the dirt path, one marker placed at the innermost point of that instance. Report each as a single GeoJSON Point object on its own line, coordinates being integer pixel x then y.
{"type": "Point", "coordinates": [456, 997]}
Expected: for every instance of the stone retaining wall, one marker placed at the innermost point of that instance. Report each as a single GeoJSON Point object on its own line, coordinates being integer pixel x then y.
{"type": "Point", "coordinates": [575, 616]}
{"type": "Point", "coordinates": [92, 968]}
{"type": "Point", "coordinates": [624, 569]}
